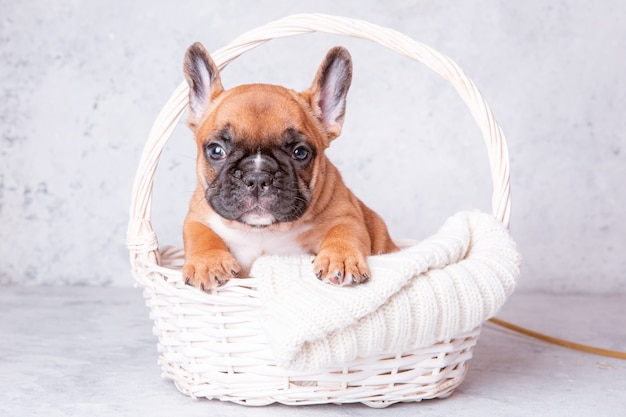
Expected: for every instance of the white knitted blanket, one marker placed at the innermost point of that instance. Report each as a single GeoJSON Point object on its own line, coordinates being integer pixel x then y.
{"type": "Point", "coordinates": [445, 285]}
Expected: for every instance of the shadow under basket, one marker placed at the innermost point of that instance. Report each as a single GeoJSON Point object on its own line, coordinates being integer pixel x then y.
{"type": "Point", "coordinates": [213, 345]}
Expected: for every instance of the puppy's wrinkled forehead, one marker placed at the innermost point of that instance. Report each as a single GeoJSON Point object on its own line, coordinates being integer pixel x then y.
{"type": "Point", "coordinates": [261, 114]}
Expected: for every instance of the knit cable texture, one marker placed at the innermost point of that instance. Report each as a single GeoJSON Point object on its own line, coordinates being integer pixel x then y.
{"type": "Point", "coordinates": [444, 285]}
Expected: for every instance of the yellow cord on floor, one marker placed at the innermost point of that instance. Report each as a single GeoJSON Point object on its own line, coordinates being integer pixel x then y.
{"type": "Point", "coordinates": [559, 342]}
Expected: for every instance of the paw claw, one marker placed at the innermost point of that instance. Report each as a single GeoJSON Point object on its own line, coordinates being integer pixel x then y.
{"type": "Point", "coordinates": [210, 269]}
{"type": "Point", "coordinates": [343, 268]}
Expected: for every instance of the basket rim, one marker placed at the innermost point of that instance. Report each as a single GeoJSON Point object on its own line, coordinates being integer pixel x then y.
{"type": "Point", "coordinates": [142, 239]}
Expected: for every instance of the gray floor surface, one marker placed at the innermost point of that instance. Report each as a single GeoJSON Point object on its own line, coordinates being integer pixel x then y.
{"type": "Point", "coordinates": [89, 351]}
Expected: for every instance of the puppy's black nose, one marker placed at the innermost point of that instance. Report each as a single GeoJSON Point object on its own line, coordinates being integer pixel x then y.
{"type": "Point", "coordinates": [257, 182]}
{"type": "Point", "coordinates": [256, 173]}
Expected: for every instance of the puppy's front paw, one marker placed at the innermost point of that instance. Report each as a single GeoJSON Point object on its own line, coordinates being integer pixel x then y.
{"type": "Point", "coordinates": [341, 267]}
{"type": "Point", "coordinates": [210, 269]}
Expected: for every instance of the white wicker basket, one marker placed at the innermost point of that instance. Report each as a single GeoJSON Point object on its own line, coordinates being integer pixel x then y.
{"type": "Point", "coordinates": [211, 344]}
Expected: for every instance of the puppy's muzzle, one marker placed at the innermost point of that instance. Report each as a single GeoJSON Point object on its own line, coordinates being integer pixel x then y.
{"type": "Point", "coordinates": [258, 190]}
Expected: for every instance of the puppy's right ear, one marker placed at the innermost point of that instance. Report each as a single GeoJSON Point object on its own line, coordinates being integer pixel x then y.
{"type": "Point", "coordinates": [204, 82]}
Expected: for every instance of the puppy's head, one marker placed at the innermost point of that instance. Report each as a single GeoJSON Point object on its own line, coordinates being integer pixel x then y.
{"type": "Point", "coordinates": [261, 147]}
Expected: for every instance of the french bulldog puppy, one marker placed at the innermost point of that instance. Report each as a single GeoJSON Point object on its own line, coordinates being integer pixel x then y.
{"type": "Point", "coordinates": [265, 185]}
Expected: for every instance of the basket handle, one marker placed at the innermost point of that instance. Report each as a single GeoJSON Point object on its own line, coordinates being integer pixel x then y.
{"type": "Point", "coordinates": [141, 238]}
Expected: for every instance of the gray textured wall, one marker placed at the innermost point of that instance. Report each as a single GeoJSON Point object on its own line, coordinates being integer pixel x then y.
{"type": "Point", "coordinates": [82, 82]}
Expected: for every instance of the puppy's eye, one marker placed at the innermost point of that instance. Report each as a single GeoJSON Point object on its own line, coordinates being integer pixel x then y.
{"type": "Point", "coordinates": [301, 153]}
{"type": "Point", "coordinates": [216, 152]}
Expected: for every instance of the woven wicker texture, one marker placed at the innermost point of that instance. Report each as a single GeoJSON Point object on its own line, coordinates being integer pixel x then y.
{"type": "Point", "coordinates": [212, 344]}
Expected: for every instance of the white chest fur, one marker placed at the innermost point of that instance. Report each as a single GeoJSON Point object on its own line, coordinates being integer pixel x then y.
{"type": "Point", "coordinates": [247, 244]}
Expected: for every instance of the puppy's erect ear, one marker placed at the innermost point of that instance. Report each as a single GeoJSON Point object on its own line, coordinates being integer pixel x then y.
{"type": "Point", "coordinates": [204, 82]}
{"type": "Point", "coordinates": [327, 95]}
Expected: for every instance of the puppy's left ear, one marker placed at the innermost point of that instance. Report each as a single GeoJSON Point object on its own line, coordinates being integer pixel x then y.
{"type": "Point", "coordinates": [327, 94]}
{"type": "Point", "coordinates": [204, 82]}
